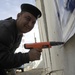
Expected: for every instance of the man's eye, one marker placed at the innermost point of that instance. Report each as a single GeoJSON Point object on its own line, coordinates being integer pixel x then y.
{"type": "Point", "coordinates": [28, 19]}
{"type": "Point", "coordinates": [33, 22]}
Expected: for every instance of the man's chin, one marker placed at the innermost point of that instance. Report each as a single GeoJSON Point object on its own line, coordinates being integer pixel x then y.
{"type": "Point", "coordinates": [27, 31]}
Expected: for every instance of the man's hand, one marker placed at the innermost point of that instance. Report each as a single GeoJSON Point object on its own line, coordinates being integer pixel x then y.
{"type": "Point", "coordinates": [34, 54]}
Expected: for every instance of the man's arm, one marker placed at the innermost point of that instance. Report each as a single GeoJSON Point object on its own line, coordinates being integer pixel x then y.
{"type": "Point", "coordinates": [7, 58]}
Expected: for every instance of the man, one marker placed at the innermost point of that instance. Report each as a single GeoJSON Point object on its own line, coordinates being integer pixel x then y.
{"type": "Point", "coordinates": [11, 32]}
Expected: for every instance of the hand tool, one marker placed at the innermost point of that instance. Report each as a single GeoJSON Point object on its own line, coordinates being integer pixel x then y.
{"type": "Point", "coordinates": [42, 45]}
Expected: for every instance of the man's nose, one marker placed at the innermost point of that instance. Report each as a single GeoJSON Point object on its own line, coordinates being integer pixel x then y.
{"type": "Point", "coordinates": [30, 24]}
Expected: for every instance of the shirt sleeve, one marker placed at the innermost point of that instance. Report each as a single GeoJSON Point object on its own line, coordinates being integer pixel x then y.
{"type": "Point", "coordinates": [10, 60]}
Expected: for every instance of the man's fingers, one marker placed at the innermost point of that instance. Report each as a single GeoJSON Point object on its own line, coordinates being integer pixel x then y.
{"type": "Point", "coordinates": [39, 50]}
{"type": "Point", "coordinates": [38, 55]}
{"type": "Point", "coordinates": [34, 54]}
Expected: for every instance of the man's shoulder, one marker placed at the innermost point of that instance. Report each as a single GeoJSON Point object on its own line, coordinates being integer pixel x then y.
{"type": "Point", "coordinates": [8, 22]}
{"type": "Point", "coordinates": [8, 18]}
{"type": "Point", "coordinates": [7, 30]}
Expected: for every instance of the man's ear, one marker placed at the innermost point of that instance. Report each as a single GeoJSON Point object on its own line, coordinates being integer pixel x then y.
{"type": "Point", "coordinates": [18, 15]}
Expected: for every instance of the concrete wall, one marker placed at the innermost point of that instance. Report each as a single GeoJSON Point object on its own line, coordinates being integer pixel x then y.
{"type": "Point", "coordinates": [50, 30]}
{"type": "Point", "coordinates": [57, 60]}
{"type": "Point", "coordinates": [69, 55]}
{"type": "Point", "coordinates": [44, 35]}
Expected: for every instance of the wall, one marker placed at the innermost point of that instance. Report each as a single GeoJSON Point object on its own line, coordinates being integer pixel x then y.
{"type": "Point", "coordinates": [50, 30]}
{"type": "Point", "coordinates": [69, 55]}
{"type": "Point", "coordinates": [58, 60]}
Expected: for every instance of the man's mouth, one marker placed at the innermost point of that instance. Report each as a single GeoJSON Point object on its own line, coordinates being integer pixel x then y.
{"type": "Point", "coordinates": [27, 27]}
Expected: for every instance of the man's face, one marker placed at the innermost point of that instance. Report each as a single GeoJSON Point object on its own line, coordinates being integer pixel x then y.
{"type": "Point", "coordinates": [25, 22]}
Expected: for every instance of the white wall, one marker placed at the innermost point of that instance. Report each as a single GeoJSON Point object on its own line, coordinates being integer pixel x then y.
{"type": "Point", "coordinates": [59, 59]}
{"type": "Point", "coordinates": [50, 30]}
{"type": "Point", "coordinates": [69, 55]}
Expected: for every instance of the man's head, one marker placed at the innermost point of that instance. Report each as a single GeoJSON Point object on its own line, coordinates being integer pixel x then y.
{"type": "Point", "coordinates": [27, 17]}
